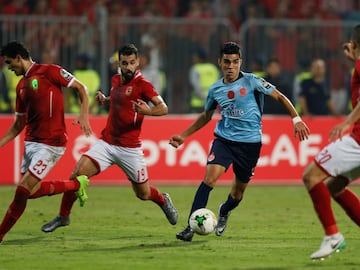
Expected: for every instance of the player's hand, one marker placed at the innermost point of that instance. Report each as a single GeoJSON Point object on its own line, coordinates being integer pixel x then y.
{"type": "Point", "coordinates": [302, 131]}
{"type": "Point", "coordinates": [338, 131]}
{"type": "Point", "coordinates": [176, 141]}
{"type": "Point", "coordinates": [141, 107]}
{"type": "Point", "coordinates": [348, 51]}
{"type": "Point", "coordinates": [100, 98]}
{"type": "Point", "coordinates": [84, 123]}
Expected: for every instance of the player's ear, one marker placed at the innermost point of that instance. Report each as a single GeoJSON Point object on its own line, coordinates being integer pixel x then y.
{"type": "Point", "coordinates": [352, 44]}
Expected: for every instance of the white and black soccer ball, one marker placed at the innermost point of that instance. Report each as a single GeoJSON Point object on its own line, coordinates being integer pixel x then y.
{"type": "Point", "coordinates": [203, 221]}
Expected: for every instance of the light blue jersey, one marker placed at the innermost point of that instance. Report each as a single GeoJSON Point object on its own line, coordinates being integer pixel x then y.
{"type": "Point", "coordinates": [241, 105]}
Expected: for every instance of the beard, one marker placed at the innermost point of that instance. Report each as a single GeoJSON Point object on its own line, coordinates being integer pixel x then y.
{"type": "Point", "coordinates": [127, 76]}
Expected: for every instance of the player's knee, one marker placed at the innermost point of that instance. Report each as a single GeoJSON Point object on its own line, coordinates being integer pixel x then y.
{"type": "Point", "coordinates": [142, 196]}
{"type": "Point", "coordinates": [308, 179]}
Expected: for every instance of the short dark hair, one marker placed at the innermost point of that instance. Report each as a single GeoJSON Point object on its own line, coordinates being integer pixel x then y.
{"type": "Point", "coordinates": [355, 35]}
{"type": "Point", "coordinates": [230, 48]}
{"type": "Point", "coordinates": [128, 49]}
{"type": "Point", "coordinates": [14, 48]}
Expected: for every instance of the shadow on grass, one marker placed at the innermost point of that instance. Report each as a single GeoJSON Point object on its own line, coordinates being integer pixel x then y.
{"type": "Point", "coordinates": [20, 242]}
{"type": "Point", "coordinates": [142, 246]}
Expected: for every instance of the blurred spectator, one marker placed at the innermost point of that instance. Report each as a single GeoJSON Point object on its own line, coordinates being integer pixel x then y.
{"type": "Point", "coordinates": [302, 74]}
{"type": "Point", "coordinates": [202, 74]}
{"type": "Point", "coordinates": [63, 8]}
{"type": "Point", "coordinates": [48, 56]}
{"type": "Point", "coordinates": [90, 78]}
{"type": "Point", "coordinates": [11, 83]}
{"type": "Point", "coordinates": [6, 105]}
{"type": "Point", "coordinates": [18, 7]}
{"type": "Point", "coordinates": [275, 76]}
{"type": "Point", "coordinates": [257, 67]}
{"type": "Point", "coordinates": [154, 75]}
{"type": "Point", "coordinates": [314, 98]}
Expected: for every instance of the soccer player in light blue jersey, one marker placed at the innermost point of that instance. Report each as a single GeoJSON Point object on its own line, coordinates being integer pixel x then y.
{"type": "Point", "coordinates": [240, 97]}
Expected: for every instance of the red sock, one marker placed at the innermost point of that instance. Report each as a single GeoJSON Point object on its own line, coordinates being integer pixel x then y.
{"type": "Point", "coordinates": [67, 202]}
{"type": "Point", "coordinates": [321, 198]}
{"type": "Point", "coordinates": [156, 196]}
{"type": "Point", "coordinates": [14, 211]}
{"type": "Point", "coordinates": [48, 188]}
{"type": "Point", "coordinates": [350, 202]}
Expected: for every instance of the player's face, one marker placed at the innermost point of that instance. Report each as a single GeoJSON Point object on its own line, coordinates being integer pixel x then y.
{"type": "Point", "coordinates": [128, 65]}
{"type": "Point", "coordinates": [230, 66]}
{"type": "Point", "coordinates": [15, 64]}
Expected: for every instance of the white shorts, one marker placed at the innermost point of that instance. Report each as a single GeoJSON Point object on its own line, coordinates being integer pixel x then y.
{"type": "Point", "coordinates": [130, 160]}
{"type": "Point", "coordinates": [341, 158]}
{"type": "Point", "coordinates": [40, 158]}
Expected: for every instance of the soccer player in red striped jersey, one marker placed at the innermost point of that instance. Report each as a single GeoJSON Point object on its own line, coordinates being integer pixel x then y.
{"type": "Point", "coordinates": [337, 165]}
{"type": "Point", "coordinates": [120, 143]}
{"type": "Point", "coordinates": [40, 110]}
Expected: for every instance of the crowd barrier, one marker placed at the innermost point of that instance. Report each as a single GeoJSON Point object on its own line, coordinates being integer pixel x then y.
{"type": "Point", "coordinates": [282, 160]}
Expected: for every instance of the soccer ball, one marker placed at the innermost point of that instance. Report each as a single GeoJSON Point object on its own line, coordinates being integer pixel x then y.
{"type": "Point", "coordinates": [203, 221]}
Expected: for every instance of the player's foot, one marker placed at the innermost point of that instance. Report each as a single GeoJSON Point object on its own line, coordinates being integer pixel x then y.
{"type": "Point", "coordinates": [58, 221]}
{"type": "Point", "coordinates": [185, 235]}
{"type": "Point", "coordinates": [170, 210]}
{"type": "Point", "coordinates": [221, 223]}
{"type": "Point", "coordinates": [330, 244]}
{"type": "Point", "coordinates": [81, 192]}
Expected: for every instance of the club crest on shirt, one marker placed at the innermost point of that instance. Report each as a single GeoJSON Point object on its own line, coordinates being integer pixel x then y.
{"type": "Point", "coordinates": [65, 74]}
{"type": "Point", "coordinates": [128, 91]}
{"type": "Point", "coordinates": [211, 156]}
{"type": "Point", "coordinates": [231, 94]}
{"type": "Point", "coordinates": [34, 84]}
{"type": "Point", "coordinates": [242, 91]}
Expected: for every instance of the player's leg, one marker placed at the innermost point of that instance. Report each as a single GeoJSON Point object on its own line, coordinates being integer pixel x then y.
{"type": "Point", "coordinates": [145, 191]}
{"type": "Point", "coordinates": [245, 157]}
{"type": "Point", "coordinates": [132, 162]}
{"type": "Point", "coordinates": [213, 172]}
{"type": "Point", "coordinates": [49, 187]}
{"type": "Point", "coordinates": [233, 200]}
{"type": "Point", "coordinates": [313, 179]}
{"type": "Point", "coordinates": [347, 199]}
{"type": "Point", "coordinates": [18, 205]}
{"type": "Point", "coordinates": [85, 167]}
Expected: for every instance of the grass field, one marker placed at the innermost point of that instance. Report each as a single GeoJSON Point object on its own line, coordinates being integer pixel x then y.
{"type": "Point", "coordinates": [274, 227]}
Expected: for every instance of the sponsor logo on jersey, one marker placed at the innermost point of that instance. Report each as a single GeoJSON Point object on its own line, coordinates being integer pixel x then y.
{"type": "Point", "coordinates": [233, 111]}
{"type": "Point", "coordinates": [65, 74]}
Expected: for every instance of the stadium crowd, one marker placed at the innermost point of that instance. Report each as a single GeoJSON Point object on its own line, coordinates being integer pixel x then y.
{"type": "Point", "coordinates": [61, 42]}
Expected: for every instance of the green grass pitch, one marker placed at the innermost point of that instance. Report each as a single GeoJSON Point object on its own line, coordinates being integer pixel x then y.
{"type": "Point", "coordinates": [274, 227]}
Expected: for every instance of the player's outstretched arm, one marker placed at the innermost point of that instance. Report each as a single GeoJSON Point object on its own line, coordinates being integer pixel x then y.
{"type": "Point", "coordinates": [201, 120]}
{"type": "Point", "coordinates": [300, 128]}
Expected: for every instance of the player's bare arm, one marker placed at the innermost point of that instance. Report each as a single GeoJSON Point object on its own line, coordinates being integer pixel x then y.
{"type": "Point", "coordinates": [159, 108]}
{"type": "Point", "coordinates": [201, 121]}
{"type": "Point", "coordinates": [339, 130]}
{"type": "Point", "coordinates": [300, 128]}
{"type": "Point", "coordinates": [83, 119]}
{"type": "Point", "coordinates": [14, 130]}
